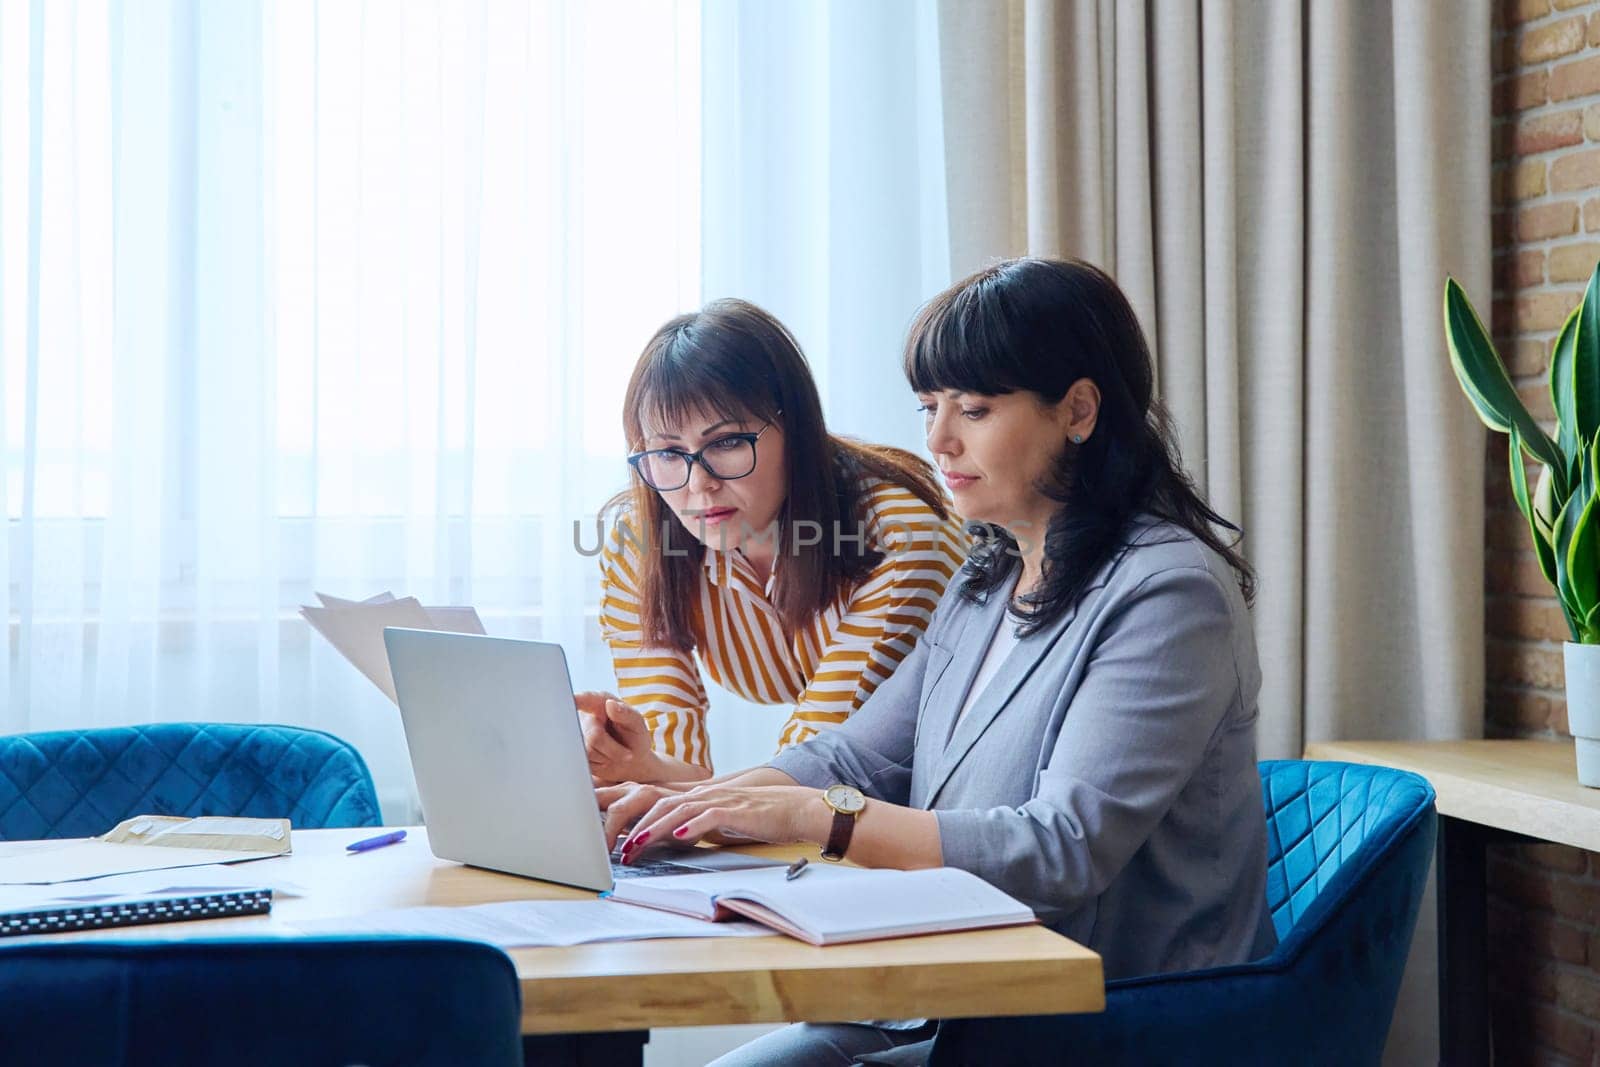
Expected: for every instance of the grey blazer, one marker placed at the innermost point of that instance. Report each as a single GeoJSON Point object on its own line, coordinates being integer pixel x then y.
{"type": "Point", "coordinates": [1106, 776]}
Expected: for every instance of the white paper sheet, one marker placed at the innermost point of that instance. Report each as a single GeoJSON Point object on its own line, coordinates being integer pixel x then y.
{"type": "Point", "coordinates": [358, 634]}
{"type": "Point", "coordinates": [340, 602]}
{"type": "Point", "coordinates": [525, 923]}
{"type": "Point", "coordinates": [76, 860]}
{"type": "Point", "coordinates": [184, 880]}
{"type": "Point", "coordinates": [148, 885]}
{"type": "Point", "coordinates": [355, 629]}
{"type": "Point", "coordinates": [455, 620]}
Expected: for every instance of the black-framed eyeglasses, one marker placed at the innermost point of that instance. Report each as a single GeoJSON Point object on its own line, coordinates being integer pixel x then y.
{"type": "Point", "coordinates": [731, 456]}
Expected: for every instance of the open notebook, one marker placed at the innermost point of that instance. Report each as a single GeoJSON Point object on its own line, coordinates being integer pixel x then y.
{"type": "Point", "coordinates": [829, 905]}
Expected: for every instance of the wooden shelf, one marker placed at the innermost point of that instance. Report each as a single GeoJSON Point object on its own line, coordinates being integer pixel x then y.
{"type": "Point", "coordinates": [1527, 787]}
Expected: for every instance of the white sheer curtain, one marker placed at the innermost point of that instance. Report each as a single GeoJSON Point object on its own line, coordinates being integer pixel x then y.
{"type": "Point", "coordinates": [824, 202]}
{"type": "Point", "coordinates": [304, 296]}
{"type": "Point", "coordinates": [334, 296]}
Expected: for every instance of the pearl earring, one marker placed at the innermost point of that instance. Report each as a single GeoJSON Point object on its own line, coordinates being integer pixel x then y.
{"type": "Point", "coordinates": [1077, 438]}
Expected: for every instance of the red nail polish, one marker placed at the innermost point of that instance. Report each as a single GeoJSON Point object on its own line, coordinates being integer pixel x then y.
{"type": "Point", "coordinates": [641, 839]}
{"type": "Point", "coordinates": [680, 831]}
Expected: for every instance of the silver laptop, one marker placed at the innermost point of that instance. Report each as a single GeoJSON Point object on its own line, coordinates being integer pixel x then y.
{"type": "Point", "coordinates": [497, 748]}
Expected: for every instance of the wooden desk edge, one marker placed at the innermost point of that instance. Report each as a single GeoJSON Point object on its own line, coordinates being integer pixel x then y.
{"type": "Point", "coordinates": [602, 1003]}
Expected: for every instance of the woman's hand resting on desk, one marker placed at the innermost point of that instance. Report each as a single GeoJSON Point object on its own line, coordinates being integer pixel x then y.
{"type": "Point", "coordinates": [718, 812]}
{"type": "Point", "coordinates": [619, 747]}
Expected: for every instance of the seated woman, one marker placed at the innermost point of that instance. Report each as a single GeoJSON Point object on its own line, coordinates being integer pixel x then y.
{"type": "Point", "coordinates": [799, 566]}
{"type": "Point", "coordinates": [1077, 725]}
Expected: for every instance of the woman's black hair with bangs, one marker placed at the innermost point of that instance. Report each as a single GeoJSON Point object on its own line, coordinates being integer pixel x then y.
{"type": "Point", "coordinates": [1038, 325]}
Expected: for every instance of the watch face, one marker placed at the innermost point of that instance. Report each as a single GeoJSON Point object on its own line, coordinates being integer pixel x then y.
{"type": "Point", "coordinates": [845, 798]}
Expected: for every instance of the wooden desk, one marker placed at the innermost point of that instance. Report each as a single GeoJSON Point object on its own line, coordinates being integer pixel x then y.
{"type": "Point", "coordinates": [634, 985]}
{"type": "Point", "coordinates": [1489, 792]}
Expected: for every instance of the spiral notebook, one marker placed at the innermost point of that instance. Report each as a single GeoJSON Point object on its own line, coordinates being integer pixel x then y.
{"type": "Point", "coordinates": [58, 917]}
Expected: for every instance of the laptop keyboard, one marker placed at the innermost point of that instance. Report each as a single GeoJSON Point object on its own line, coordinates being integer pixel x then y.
{"type": "Point", "coordinates": [648, 869]}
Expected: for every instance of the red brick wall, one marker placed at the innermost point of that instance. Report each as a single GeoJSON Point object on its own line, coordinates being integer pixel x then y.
{"type": "Point", "coordinates": [1544, 950]}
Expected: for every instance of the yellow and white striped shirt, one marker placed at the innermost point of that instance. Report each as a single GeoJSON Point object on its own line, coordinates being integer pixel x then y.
{"type": "Point", "coordinates": [829, 666]}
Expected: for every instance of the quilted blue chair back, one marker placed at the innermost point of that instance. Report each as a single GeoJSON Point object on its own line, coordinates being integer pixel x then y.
{"type": "Point", "coordinates": [1349, 851]}
{"type": "Point", "coordinates": [1321, 817]}
{"type": "Point", "coordinates": [312, 1002]}
{"type": "Point", "coordinates": [79, 783]}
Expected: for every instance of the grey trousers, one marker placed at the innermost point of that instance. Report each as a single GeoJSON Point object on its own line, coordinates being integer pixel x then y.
{"type": "Point", "coordinates": [830, 1045]}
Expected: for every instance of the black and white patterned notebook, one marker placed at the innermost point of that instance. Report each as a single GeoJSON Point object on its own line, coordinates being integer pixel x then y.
{"type": "Point", "coordinates": [98, 915]}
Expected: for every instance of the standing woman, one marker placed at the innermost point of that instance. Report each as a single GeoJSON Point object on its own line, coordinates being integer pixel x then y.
{"type": "Point", "coordinates": [1077, 725]}
{"type": "Point", "coordinates": [792, 565]}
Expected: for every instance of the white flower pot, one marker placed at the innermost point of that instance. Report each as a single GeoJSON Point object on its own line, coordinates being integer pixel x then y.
{"type": "Point", "coordinates": [1583, 708]}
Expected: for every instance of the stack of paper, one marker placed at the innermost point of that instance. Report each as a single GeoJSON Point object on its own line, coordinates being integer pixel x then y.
{"type": "Point", "coordinates": [355, 628]}
{"type": "Point", "coordinates": [73, 860]}
{"type": "Point", "coordinates": [227, 833]}
{"type": "Point", "coordinates": [144, 843]}
{"type": "Point", "coordinates": [149, 884]}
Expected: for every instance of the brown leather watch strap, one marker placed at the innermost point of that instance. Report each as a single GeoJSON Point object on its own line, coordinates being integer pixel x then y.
{"type": "Point", "coordinates": [844, 824]}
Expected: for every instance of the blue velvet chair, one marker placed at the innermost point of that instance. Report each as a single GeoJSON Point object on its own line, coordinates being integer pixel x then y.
{"type": "Point", "coordinates": [309, 1002]}
{"type": "Point", "coordinates": [1349, 850]}
{"type": "Point", "coordinates": [79, 783]}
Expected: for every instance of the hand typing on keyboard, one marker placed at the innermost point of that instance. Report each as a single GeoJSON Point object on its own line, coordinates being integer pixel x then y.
{"type": "Point", "coordinates": [648, 868]}
{"type": "Point", "coordinates": [656, 863]}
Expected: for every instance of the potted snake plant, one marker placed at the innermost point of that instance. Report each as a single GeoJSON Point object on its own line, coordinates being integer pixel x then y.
{"type": "Point", "coordinates": [1560, 509]}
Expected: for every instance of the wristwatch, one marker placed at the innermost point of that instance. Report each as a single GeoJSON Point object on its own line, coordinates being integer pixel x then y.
{"type": "Point", "coordinates": [846, 802]}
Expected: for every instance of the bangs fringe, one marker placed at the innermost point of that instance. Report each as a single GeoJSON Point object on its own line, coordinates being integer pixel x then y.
{"type": "Point", "coordinates": [960, 340]}
{"type": "Point", "coordinates": [678, 382]}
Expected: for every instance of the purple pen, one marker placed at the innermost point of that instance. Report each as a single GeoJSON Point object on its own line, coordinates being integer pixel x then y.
{"type": "Point", "coordinates": [377, 842]}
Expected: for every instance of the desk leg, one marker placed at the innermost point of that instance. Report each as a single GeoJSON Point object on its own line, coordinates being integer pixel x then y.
{"type": "Point", "coordinates": [624, 1048]}
{"type": "Point", "coordinates": [1463, 939]}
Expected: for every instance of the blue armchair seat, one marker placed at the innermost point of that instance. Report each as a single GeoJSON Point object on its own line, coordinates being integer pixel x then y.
{"type": "Point", "coordinates": [1349, 851]}
{"type": "Point", "coordinates": [312, 1002]}
{"type": "Point", "coordinates": [79, 783]}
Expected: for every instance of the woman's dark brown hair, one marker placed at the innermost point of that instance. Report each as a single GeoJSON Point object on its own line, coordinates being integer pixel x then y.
{"type": "Point", "coordinates": [1038, 325]}
{"type": "Point", "coordinates": [738, 361]}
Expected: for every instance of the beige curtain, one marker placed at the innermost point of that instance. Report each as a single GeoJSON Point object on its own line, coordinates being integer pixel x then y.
{"type": "Point", "coordinates": [1281, 188]}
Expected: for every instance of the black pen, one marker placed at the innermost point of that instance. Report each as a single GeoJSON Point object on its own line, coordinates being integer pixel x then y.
{"type": "Point", "coordinates": [796, 869]}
